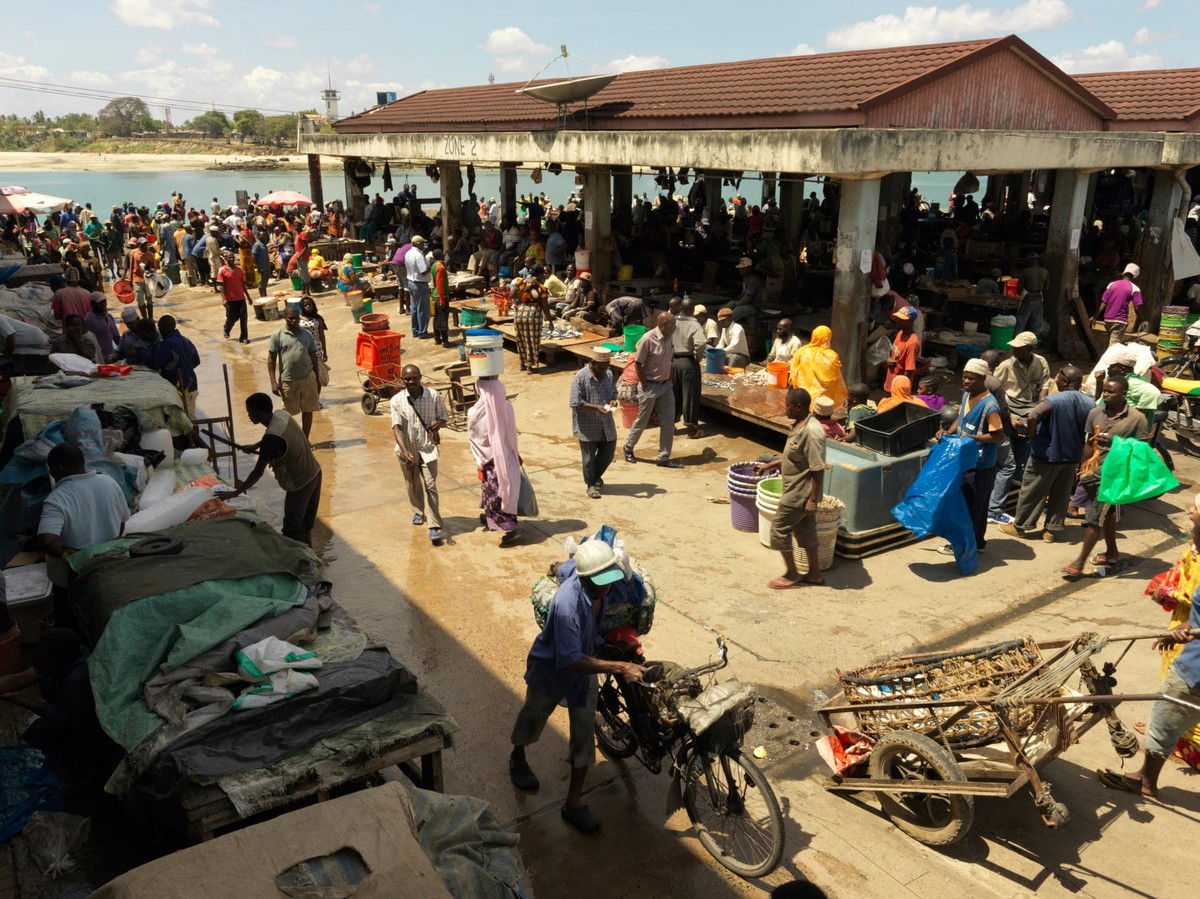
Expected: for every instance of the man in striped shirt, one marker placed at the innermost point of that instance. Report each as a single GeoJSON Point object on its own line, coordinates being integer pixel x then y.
{"type": "Point", "coordinates": [593, 396]}
{"type": "Point", "coordinates": [418, 415]}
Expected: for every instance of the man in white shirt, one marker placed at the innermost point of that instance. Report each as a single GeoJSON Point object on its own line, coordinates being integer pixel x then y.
{"type": "Point", "coordinates": [786, 343]}
{"type": "Point", "coordinates": [711, 331]}
{"type": "Point", "coordinates": [83, 509]}
{"type": "Point", "coordinates": [418, 286]}
{"type": "Point", "coordinates": [732, 340]}
{"type": "Point", "coordinates": [418, 415]}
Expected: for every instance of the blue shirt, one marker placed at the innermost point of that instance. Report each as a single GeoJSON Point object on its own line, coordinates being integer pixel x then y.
{"type": "Point", "coordinates": [175, 358]}
{"type": "Point", "coordinates": [1061, 427]}
{"type": "Point", "coordinates": [975, 422]}
{"type": "Point", "coordinates": [571, 632]}
{"type": "Point", "coordinates": [1187, 663]}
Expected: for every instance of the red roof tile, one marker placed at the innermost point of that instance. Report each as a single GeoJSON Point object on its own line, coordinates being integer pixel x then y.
{"type": "Point", "coordinates": [1165, 94]}
{"type": "Point", "coordinates": [829, 89]}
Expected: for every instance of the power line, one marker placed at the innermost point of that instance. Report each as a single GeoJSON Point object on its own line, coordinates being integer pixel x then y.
{"type": "Point", "coordinates": [90, 93]}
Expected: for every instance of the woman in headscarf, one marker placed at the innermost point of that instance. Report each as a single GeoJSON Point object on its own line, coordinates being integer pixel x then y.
{"type": "Point", "coordinates": [901, 393]}
{"type": "Point", "coordinates": [246, 261]}
{"type": "Point", "coordinates": [492, 431]}
{"type": "Point", "coordinates": [818, 368]}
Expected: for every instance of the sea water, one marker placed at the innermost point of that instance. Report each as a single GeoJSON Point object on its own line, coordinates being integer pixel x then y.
{"type": "Point", "coordinates": [144, 188]}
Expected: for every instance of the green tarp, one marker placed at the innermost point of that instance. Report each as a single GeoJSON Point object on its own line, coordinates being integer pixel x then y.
{"type": "Point", "coordinates": [167, 630]}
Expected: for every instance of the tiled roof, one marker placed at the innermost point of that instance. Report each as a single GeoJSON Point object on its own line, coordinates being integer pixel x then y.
{"type": "Point", "coordinates": [1166, 94]}
{"type": "Point", "coordinates": [829, 89]}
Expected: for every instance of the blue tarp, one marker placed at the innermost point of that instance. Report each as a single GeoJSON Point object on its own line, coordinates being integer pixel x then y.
{"type": "Point", "coordinates": [935, 504]}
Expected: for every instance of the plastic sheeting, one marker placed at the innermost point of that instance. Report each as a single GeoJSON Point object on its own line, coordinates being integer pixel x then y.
{"type": "Point", "coordinates": [935, 504]}
{"type": "Point", "coordinates": [1133, 471]}
{"type": "Point", "coordinates": [26, 786]}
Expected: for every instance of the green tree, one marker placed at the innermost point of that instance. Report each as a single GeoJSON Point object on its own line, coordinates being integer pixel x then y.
{"type": "Point", "coordinates": [213, 123]}
{"type": "Point", "coordinates": [248, 123]}
{"type": "Point", "coordinates": [280, 129]}
{"type": "Point", "coordinates": [122, 116]}
{"type": "Point", "coordinates": [76, 121]}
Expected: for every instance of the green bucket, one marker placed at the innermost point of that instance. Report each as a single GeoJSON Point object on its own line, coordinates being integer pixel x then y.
{"type": "Point", "coordinates": [633, 333]}
{"type": "Point", "coordinates": [772, 487]}
{"type": "Point", "coordinates": [368, 306]}
{"type": "Point", "coordinates": [297, 284]}
{"type": "Point", "coordinates": [357, 259]}
{"type": "Point", "coordinates": [1002, 336]}
{"type": "Point", "coordinates": [472, 318]}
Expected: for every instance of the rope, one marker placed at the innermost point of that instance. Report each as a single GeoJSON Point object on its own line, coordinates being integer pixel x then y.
{"type": "Point", "coordinates": [1056, 674]}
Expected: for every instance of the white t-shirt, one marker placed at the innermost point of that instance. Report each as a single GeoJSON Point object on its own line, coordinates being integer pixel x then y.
{"type": "Point", "coordinates": [30, 338]}
{"type": "Point", "coordinates": [733, 340]}
{"type": "Point", "coordinates": [783, 351]}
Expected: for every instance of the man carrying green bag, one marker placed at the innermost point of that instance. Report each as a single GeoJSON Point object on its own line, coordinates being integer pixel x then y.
{"type": "Point", "coordinates": [1114, 418]}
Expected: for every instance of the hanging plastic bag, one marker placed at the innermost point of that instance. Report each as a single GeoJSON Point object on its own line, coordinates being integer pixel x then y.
{"type": "Point", "coordinates": [935, 504]}
{"type": "Point", "coordinates": [527, 505]}
{"type": "Point", "coordinates": [880, 351]}
{"type": "Point", "coordinates": [1133, 471]}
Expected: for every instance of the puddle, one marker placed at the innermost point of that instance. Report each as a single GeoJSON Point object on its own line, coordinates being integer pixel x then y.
{"type": "Point", "coordinates": [785, 725]}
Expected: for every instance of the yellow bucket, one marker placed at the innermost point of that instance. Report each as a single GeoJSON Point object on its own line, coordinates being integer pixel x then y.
{"type": "Point", "coordinates": [625, 273]}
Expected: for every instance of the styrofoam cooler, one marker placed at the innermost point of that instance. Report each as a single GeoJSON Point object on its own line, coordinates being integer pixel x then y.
{"type": "Point", "coordinates": [30, 598]}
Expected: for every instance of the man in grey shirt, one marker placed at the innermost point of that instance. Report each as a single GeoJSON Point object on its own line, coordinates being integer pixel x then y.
{"type": "Point", "coordinates": [1034, 281]}
{"type": "Point", "coordinates": [688, 344]}
{"type": "Point", "coordinates": [653, 361]}
{"type": "Point", "coordinates": [292, 352]}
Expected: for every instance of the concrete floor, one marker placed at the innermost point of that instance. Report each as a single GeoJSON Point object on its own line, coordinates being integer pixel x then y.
{"type": "Point", "coordinates": [459, 617]}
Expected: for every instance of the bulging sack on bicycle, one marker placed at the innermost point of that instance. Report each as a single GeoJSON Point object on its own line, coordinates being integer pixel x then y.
{"type": "Point", "coordinates": [724, 711]}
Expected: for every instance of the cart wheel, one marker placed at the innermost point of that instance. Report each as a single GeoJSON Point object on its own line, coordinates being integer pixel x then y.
{"type": "Point", "coordinates": [1059, 815]}
{"type": "Point", "coordinates": [370, 403]}
{"type": "Point", "coordinates": [935, 819]}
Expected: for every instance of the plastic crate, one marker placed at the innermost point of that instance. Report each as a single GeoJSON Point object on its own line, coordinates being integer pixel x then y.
{"type": "Point", "coordinates": [899, 430]}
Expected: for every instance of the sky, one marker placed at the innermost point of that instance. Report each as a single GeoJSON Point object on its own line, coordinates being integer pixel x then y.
{"type": "Point", "coordinates": [277, 56]}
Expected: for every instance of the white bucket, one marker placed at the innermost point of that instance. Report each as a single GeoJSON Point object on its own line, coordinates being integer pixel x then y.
{"type": "Point", "coordinates": [970, 328]}
{"type": "Point", "coordinates": [583, 260]}
{"type": "Point", "coordinates": [485, 351]}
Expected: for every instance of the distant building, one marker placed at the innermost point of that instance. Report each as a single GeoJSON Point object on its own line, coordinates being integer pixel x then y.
{"type": "Point", "coordinates": [331, 98]}
{"type": "Point", "coordinates": [311, 123]}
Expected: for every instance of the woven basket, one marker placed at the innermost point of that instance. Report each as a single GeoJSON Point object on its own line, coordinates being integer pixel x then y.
{"type": "Point", "coordinates": [973, 674]}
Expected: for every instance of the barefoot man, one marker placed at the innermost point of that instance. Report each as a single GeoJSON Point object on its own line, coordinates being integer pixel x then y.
{"type": "Point", "coordinates": [802, 467]}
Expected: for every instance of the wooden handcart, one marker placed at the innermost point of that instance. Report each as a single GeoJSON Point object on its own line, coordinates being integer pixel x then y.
{"type": "Point", "coordinates": [950, 726]}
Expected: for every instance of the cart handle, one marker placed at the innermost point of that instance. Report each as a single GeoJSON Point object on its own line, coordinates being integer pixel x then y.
{"type": "Point", "coordinates": [1192, 632]}
{"type": "Point", "coordinates": [1098, 699]}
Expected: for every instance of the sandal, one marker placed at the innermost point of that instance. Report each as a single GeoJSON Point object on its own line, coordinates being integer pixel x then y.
{"type": "Point", "coordinates": [418, 519]}
{"type": "Point", "coordinates": [436, 536]}
{"type": "Point", "coordinates": [581, 818]}
{"type": "Point", "coordinates": [522, 776]}
{"type": "Point", "coordinates": [1116, 781]}
{"type": "Point", "coordinates": [1071, 573]}
{"type": "Point", "coordinates": [1102, 559]}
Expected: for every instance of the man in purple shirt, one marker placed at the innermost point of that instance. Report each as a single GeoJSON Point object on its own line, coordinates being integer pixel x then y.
{"type": "Point", "coordinates": [102, 326]}
{"type": "Point", "coordinates": [1114, 305]}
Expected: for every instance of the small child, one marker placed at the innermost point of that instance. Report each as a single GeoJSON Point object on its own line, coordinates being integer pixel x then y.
{"type": "Point", "coordinates": [859, 404]}
{"type": "Point", "coordinates": [927, 392]}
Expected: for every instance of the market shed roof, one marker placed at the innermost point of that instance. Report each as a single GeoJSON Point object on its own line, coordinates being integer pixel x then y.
{"type": "Point", "coordinates": [1001, 83]}
{"type": "Point", "coordinates": [1158, 100]}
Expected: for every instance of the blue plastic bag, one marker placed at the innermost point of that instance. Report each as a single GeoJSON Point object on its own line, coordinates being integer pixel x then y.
{"type": "Point", "coordinates": [934, 504]}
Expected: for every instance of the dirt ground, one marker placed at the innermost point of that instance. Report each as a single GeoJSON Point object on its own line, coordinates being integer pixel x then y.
{"type": "Point", "coordinates": [459, 616]}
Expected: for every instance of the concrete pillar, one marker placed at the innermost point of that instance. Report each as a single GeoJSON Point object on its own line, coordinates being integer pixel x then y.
{"type": "Point", "coordinates": [1067, 207]}
{"type": "Point", "coordinates": [316, 190]}
{"type": "Point", "coordinates": [712, 193]}
{"type": "Point", "coordinates": [1157, 278]}
{"type": "Point", "coordinates": [597, 223]}
{"type": "Point", "coordinates": [450, 182]}
{"type": "Point", "coordinates": [791, 206]}
{"type": "Point", "coordinates": [356, 200]}
{"type": "Point", "coordinates": [858, 220]}
{"type": "Point", "coordinates": [508, 189]}
{"type": "Point", "coordinates": [768, 187]}
{"type": "Point", "coordinates": [622, 199]}
{"type": "Point", "coordinates": [892, 192]}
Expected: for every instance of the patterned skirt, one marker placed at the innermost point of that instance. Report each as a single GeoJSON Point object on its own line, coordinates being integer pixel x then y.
{"type": "Point", "coordinates": [497, 520]}
{"type": "Point", "coordinates": [528, 322]}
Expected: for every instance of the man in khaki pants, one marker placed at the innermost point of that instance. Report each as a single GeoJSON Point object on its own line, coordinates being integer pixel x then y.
{"type": "Point", "coordinates": [418, 415]}
{"type": "Point", "coordinates": [1116, 302]}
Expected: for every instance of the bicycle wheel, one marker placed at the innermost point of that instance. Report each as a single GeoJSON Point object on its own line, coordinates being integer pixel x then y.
{"type": "Point", "coordinates": [613, 732]}
{"type": "Point", "coordinates": [734, 812]}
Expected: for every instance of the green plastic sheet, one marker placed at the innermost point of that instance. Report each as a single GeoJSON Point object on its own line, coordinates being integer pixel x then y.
{"type": "Point", "coordinates": [1133, 471]}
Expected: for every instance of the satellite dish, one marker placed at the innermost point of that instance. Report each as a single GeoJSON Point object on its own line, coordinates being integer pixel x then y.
{"type": "Point", "coordinates": [571, 91]}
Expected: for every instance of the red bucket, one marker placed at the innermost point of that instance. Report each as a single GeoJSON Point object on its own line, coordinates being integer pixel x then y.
{"type": "Point", "coordinates": [124, 290]}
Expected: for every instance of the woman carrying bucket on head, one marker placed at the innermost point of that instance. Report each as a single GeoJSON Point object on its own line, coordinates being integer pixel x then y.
{"type": "Point", "coordinates": [492, 432]}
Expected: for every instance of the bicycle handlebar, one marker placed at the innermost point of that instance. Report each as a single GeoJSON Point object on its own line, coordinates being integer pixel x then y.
{"type": "Point", "coordinates": [708, 668]}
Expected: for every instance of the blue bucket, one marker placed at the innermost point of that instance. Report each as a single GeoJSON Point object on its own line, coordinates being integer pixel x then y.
{"type": "Point", "coordinates": [714, 361]}
{"type": "Point", "coordinates": [294, 304]}
{"type": "Point", "coordinates": [506, 271]}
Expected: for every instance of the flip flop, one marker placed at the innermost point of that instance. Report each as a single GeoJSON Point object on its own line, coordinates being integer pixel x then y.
{"type": "Point", "coordinates": [1102, 559]}
{"type": "Point", "coordinates": [1115, 781]}
{"type": "Point", "coordinates": [1071, 573]}
{"type": "Point", "coordinates": [418, 519]}
{"type": "Point", "coordinates": [784, 584]}
{"type": "Point", "coordinates": [581, 818]}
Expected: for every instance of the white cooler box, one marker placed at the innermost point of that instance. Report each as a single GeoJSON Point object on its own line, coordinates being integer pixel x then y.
{"type": "Point", "coordinates": [29, 599]}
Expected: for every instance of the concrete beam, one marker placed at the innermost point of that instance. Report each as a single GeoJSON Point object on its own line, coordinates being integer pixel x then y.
{"type": "Point", "coordinates": [858, 220]}
{"type": "Point", "coordinates": [316, 190]}
{"type": "Point", "coordinates": [1157, 279]}
{"type": "Point", "coordinates": [845, 152]}
{"type": "Point", "coordinates": [622, 193]}
{"type": "Point", "coordinates": [356, 200]}
{"type": "Point", "coordinates": [597, 223]}
{"type": "Point", "coordinates": [508, 189]}
{"type": "Point", "coordinates": [450, 181]}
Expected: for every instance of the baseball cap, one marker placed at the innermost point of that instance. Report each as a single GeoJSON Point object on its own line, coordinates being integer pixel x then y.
{"type": "Point", "coordinates": [597, 562]}
{"type": "Point", "coordinates": [908, 313]}
{"type": "Point", "coordinates": [1025, 338]}
{"type": "Point", "coordinates": [1132, 269]}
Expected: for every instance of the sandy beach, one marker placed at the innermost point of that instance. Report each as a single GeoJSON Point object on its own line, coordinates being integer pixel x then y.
{"type": "Point", "coordinates": [124, 162]}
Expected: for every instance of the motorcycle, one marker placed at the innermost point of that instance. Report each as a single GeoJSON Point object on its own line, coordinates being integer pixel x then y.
{"type": "Point", "coordinates": [1181, 393]}
{"type": "Point", "coordinates": [672, 717]}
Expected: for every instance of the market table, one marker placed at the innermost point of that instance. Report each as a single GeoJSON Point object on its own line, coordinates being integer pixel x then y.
{"type": "Point", "coordinates": [551, 348]}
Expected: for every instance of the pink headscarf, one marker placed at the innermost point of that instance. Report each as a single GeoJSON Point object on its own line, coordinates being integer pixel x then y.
{"type": "Point", "coordinates": [492, 431]}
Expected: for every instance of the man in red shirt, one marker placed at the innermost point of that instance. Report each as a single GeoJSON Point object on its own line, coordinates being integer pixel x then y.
{"type": "Point", "coordinates": [72, 299]}
{"type": "Point", "coordinates": [906, 346]}
{"type": "Point", "coordinates": [299, 261]}
{"type": "Point", "coordinates": [232, 282]}
{"type": "Point", "coordinates": [141, 262]}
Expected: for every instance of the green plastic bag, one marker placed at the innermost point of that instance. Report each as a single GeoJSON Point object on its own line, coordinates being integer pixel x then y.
{"type": "Point", "coordinates": [1133, 471]}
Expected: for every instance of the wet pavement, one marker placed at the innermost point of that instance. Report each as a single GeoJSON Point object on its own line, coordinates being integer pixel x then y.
{"type": "Point", "coordinates": [460, 618]}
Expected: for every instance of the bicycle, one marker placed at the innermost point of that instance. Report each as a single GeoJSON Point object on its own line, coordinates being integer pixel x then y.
{"type": "Point", "coordinates": [730, 802]}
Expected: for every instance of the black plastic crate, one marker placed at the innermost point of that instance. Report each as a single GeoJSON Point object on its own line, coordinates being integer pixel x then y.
{"type": "Point", "coordinates": [899, 430]}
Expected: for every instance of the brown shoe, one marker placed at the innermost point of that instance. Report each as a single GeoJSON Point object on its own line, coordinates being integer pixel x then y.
{"type": "Point", "coordinates": [1012, 530]}
{"type": "Point", "coordinates": [1049, 537]}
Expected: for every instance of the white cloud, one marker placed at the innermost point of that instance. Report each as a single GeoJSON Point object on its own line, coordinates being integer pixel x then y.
{"type": "Point", "coordinates": [372, 8]}
{"type": "Point", "coordinates": [90, 79]}
{"type": "Point", "coordinates": [633, 63]}
{"type": "Point", "coordinates": [1111, 56]}
{"type": "Point", "coordinates": [15, 66]}
{"type": "Point", "coordinates": [1145, 36]}
{"type": "Point", "coordinates": [512, 41]}
{"type": "Point", "coordinates": [283, 41]}
{"type": "Point", "coordinates": [803, 50]}
{"type": "Point", "coordinates": [1148, 5]}
{"type": "Point", "coordinates": [154, 14]}
{"type": "Point", "coordinates": [931, 24]}
{"type": "Point", "coordinates": [146, 56]}
{"type": "Point", "coordinates": [201, 49]}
